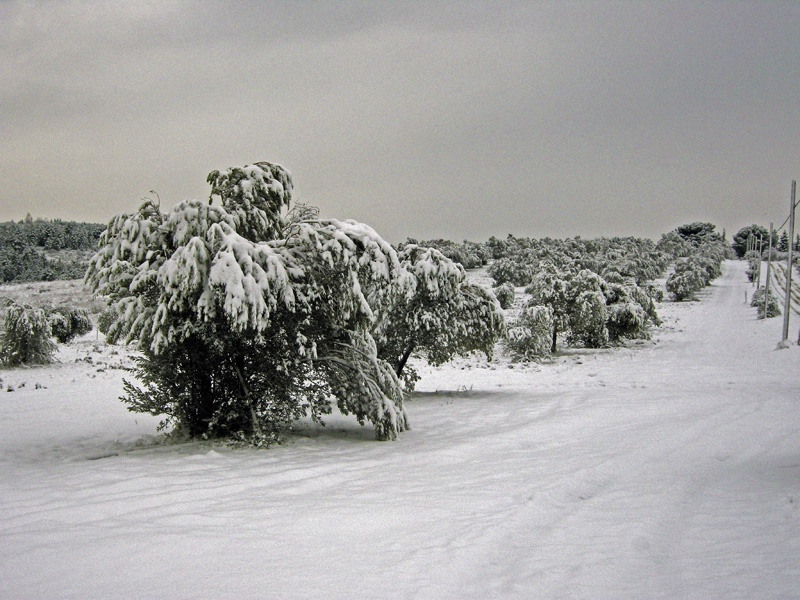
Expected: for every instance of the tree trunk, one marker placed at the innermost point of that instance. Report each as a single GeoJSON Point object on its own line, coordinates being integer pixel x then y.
{"type": "Point", "coordinates": [248, 398]}
{"type": "Point", "coordinates": [404, 359]}
{"type": "Point", "coordinates": [555, 338]}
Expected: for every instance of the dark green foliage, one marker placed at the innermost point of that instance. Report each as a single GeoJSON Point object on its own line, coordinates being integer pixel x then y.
{"type": "Point", "coordinates": [740, 238]}
{"type": "Point", "coordinates": [69, 323]}
{"type": "Point", "coordinates": [22, 245]}
{"type": "Point", "coordinates": [212, 385]}
{"type": "Point", "coordinates": [25, 338]}
{"type": "Point", "coordinates": [783, 243]}
{"type": "Point", "coordinates": [699, 233]}
{"type": "Point", "coordinates": [106, 319]}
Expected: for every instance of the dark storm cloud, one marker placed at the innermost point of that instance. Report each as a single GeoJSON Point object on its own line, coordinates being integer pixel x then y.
{"type": "Point", "coordinates": [459, 120]}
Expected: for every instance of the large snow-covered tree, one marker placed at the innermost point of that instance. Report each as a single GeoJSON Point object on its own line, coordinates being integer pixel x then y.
{"type": "Point", "coordinates": [249, 315]}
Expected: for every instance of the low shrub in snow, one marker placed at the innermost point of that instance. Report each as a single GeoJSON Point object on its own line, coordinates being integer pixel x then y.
{"type": "Point", "coordinates": [773, 308]}
{"type": "Point", "coordinates": [68, 323]}
{"type": "Point", "coordinates": [531, 335]}
{"type": "Point", "coordinates": [505, 294]}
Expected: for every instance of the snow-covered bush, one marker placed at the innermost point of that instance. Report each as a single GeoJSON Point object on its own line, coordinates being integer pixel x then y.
{"type": "Point", "coordinates": [675, 245]}
{"type": "Point", "coordinates": [510, 270]}
{"type": "Point", "coordinates": [249, 315]}
{"type": "Point", "coordinates": [685, 282]}
{"type": "Point", "coordinates": [586, 301]}
{"type": "Point", "coordinates": [773, 305]}
{"type": "Point", "coordinates": [694, 273]}
{"type": "Point", "coordinates": [68, 323]}
{"type": "Point", "coordinates": [753, 259]}
{"type": "Point", "coordinates": [26, 337]}
{"type": "Point", "coordinates": [549, 287]}
{"type": "Point", "coordinates": [631, 310]}
{"type": "Point", "coordinates": [505, 294]}
{"type": "Point", "coordinates": [587, 322]}
{"type": "Point", "coordinates": [531, 335]}
{"type": "Point", "coordinates": [436, 315]}
{"type": "Point", "coordinates": [469, 255]}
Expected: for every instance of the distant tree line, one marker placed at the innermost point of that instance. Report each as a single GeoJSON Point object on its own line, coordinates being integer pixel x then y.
{"type": "Point", "coordinates": [23, 245]}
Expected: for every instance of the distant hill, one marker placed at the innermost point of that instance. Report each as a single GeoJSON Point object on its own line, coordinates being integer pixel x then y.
{"type": "Point", "coordinates": [46, 250]}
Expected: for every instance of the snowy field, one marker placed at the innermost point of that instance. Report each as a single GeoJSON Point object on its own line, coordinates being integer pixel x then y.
{"type": "Point", "coordinates": [669, 469]}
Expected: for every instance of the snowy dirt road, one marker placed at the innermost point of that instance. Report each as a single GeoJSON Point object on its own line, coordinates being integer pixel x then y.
{"type": "Point", "coordinates": [667, 470]}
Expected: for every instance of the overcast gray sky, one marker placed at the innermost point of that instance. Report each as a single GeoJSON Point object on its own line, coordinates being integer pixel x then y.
{"type": "Point", "coordinates": [454, 119]}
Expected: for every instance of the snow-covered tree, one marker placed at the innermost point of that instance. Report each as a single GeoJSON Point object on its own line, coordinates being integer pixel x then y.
{"type": "Point", "coordinates": [248, 314]}
{"type": "Point", "coordinates": [437, 314]}
{"type": "Point", "coordinates": [549, 287]}
{"type": "Point", "coordinates": [26, 337]}
{"type": "Point", "coordinates": [515, 270]}
{"type": "Point", "coordinates": [588, 313]}
{"type": "Point", "coordinates": [685, 281]}
{"type": "Point", "coordinates": [783, 243]}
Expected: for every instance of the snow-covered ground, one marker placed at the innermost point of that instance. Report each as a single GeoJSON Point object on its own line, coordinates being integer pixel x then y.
{"type": "Point", "coordinates": [669, 469]}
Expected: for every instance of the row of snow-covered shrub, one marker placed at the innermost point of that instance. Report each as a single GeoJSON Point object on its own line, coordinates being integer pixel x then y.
{"type": "Point", "coordinates": [590, 292]}
{"type": "Point", "coordinates": [635, 258]}
{"type": "Point", "coordinates": [599, 291]}
{"type": "Point", "coordinates": [694, 273]}
{"type": "Point", "coordinates": [584, 307]}
{"type": "Point", "coordinates": [28, 332]}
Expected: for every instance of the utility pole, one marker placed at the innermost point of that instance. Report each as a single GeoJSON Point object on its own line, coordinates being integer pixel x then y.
{"type": "Point", "coordinates": [760, 252]}
{"type": "Point", "coordinates": [788, 303]}
{"type": "Point", "coordinates": [769, 268]}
